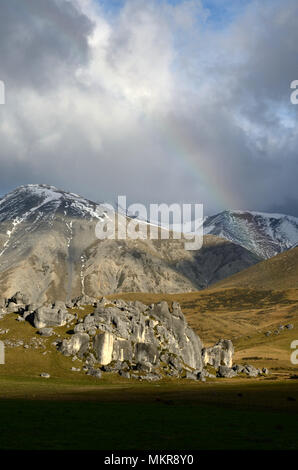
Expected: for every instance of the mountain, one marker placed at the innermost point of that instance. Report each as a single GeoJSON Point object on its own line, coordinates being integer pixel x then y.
{"type": "Point", "coordinates": [49, 251]}
{"type": "Point", "coordinates": [265, 235]}
{"type": "Point", "coordinates": [280, 272]}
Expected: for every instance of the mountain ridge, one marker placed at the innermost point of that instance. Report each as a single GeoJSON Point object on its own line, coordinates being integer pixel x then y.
{"type": "Point", "coordinates": [49, 250]}
{"type": "Point", "coordinates": [264, 234]}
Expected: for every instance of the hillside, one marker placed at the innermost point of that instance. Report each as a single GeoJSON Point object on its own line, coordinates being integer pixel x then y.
{"type": "Point", "coordinates": [280, 272]}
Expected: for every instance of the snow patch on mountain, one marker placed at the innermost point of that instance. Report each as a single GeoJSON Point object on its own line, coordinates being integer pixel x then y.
{"type": "Point", "coordinates": [264, 234]}
{"type": "Point", "coordinates": [34, 198]}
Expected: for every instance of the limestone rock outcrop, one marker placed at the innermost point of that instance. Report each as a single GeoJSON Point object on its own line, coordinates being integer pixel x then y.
{"type": "Point", "coordinates": [144, 337]}
{"type": "Point", "coordinates": [131, 339]}
{"type": "Point", "coordinates": [78, 345]}
{"type": "Point", "coordinates": [220, 354]}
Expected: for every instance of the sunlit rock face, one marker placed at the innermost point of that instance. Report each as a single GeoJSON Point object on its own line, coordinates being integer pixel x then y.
{"type": "Point", "coordinates": [137, 334]}
{"type": "Point", "coordinates": [220, 354]}
{"type": "Point", "coordinates": [104, 346]}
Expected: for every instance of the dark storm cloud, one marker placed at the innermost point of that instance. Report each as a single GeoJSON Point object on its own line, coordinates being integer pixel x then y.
{"type": "Point", "coordinates": [39, 39]}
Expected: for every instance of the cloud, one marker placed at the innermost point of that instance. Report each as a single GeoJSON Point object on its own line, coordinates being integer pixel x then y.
{"type": "Point", "coordinates": [154, 101]}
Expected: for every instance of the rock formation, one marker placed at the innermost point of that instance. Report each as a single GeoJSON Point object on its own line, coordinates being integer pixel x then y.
{"type": "Point", "coordinates": [130, 338]}
{"type": "Point", "coordinates": [220, 354]}
{"type": "Point", "coordinates": [142, 337]}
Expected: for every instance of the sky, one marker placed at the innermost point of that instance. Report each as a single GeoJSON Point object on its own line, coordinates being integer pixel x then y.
{"type": "Point", "coordinates": [164, 101]}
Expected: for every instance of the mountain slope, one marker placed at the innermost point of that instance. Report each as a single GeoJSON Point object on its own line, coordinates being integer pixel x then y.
{"type": "Point", "coordinates": [265, 235]}
{"type": "Point", "coordinates": [280, 272]}
{"type": "Point", "coordinates": [49, 251]}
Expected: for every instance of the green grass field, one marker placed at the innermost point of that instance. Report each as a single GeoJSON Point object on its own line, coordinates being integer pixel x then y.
{"type": "Point", "coordinates": [64, 414]}
{"type": "Point", "coordinates": [74, 411]}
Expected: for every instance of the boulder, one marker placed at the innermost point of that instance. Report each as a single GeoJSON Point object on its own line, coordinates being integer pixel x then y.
{"type": "Point", "coordinates": [103, 344]}
{"type": "Point", "coordinates": [239, 369]}
{"type": "Point", "coordinates": [77, 345]}
{"type": "Point", "coordinates": [83, 300]}
{"type": "Point", "coordinates": [124, 374]}
{"type": "Point", "coordinates": [49, 316]}
{"type": "Point", "coordinates": [45, 375]}
{"type": "Point", "coordinates": [226, 372]}
{"type": "Point", "coordinates": [191, 376]}
{"type": "Point", "coordinates": [14, 308]}
{"type": "Point", "coordinates": [251, 371]}
{"type": "Point", "coordinates": [219, 354]}
{"type": "Point", "coordinates": [95, 373]}
{"type": "Point", "coordinates": [47, 332]}
{"type": "Point", "coordinates": [204, 374]}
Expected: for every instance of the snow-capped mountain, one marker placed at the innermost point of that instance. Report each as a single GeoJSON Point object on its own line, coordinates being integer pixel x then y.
{"type": "Point", "coordinates": [27, 202]}
{"type": "Point", "coordinates": [49, 250]}
{"type": "Point", "coordinates": [266, 235]}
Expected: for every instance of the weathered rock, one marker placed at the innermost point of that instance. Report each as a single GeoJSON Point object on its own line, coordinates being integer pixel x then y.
{"type": "Point", "coordinates": [91, 359]}
{"type": "Point", "coordinates": [79, 328]}
{"type": "Point", "coordinates": [14, 308]}
{"type": "Point", "coordinates": [131, 335]}
{"type": "Point", "coordinates": [124, 374]}
{"type": "Point", "coordinates": [150, 377]}
{"type": "Point", "coordinates": [77, 345]}
{"type": "Point", "coordinates": [47, 332]}
{"type": "Point", "coordinates": [50, 316]}
{"type": "Point", "coordinates": [146, 353]}
{"type": "Point", "coordinates": [226, 372]}
{"type": "Point", "coordinates": [204, 374]}
{"type": "Point", "coordinates": [191, 376]}
{"type": "Point", "coordinates": [84, 300]}
{"type": "Point", "coordinates": [103, 344]}
{"type": "Point", "coordinates": [45, 375]}
{"type": "Point", "coordinates": [19, 298]}
{"type": "Point", "coordinates": [144, 367]}
{"type": "Point", "coordinates": [19, 318]}
{"type": "Point", "coordinates": [95, 373]}
{"type": "Point", "coordinates": [220, 354]}
{"type": "Point", "coordinates": [251, 371]}
{"type": "Point", "coordinates": [133, 332]}
{"type": "Point", "coordinates": [92, 331]}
